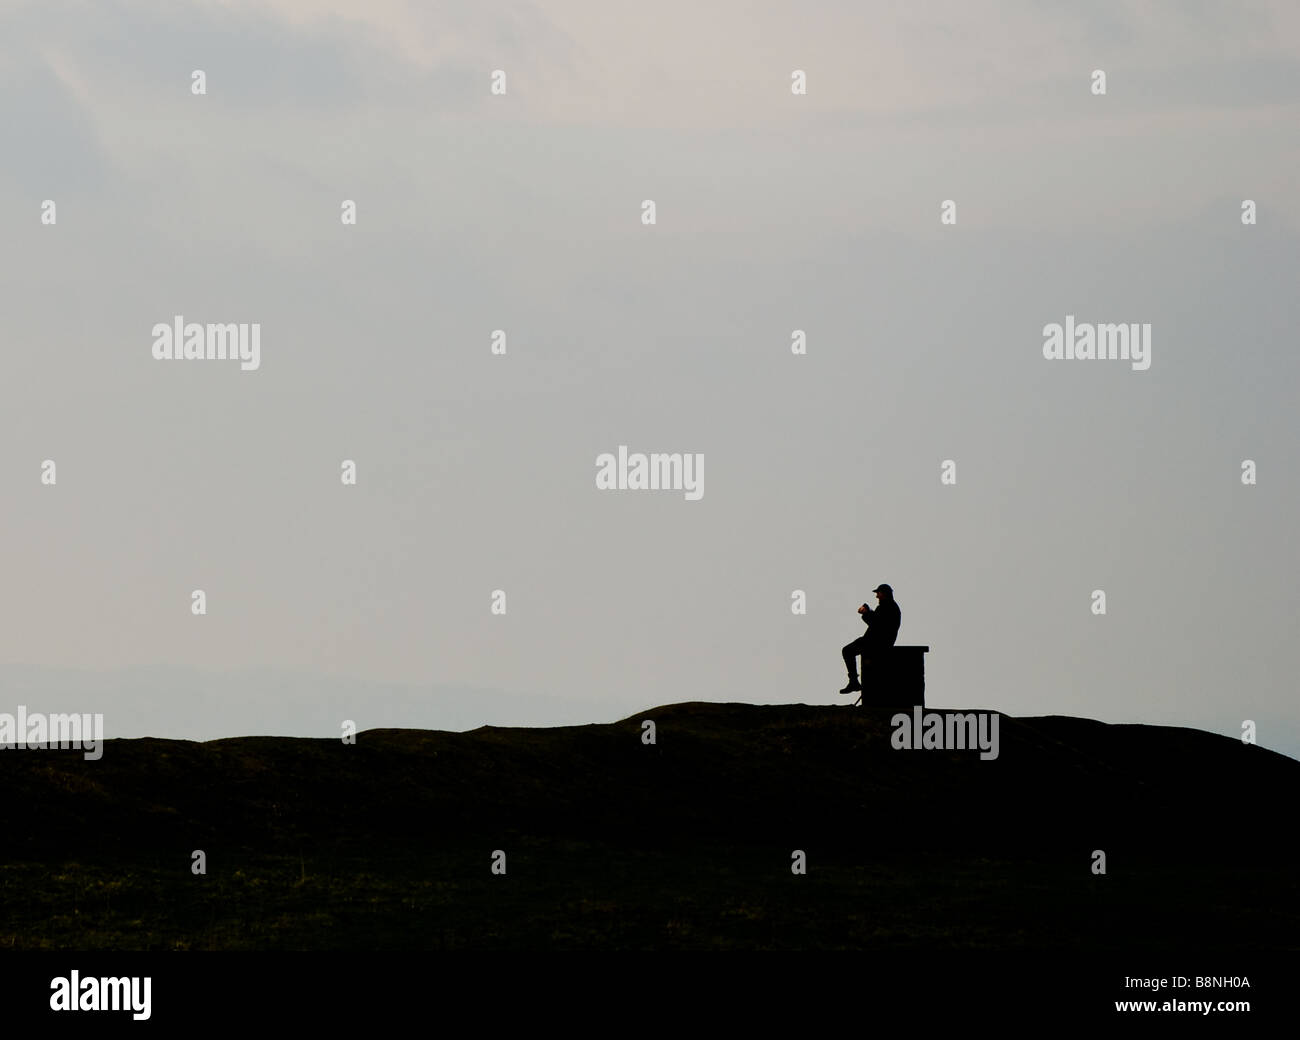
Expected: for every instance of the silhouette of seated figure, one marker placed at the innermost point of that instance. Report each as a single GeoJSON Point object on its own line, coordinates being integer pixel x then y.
{"type": "Point", "coordinates": [876, 645]}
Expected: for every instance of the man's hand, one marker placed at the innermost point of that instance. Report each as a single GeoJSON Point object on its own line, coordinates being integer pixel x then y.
{"type": "Point", "coordinates": [863, 609]}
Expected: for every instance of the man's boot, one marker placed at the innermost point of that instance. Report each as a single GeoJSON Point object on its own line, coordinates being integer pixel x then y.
{"type": "Point", "coordinates": [853, 685]}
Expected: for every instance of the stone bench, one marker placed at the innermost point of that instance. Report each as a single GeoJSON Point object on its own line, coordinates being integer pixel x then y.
{"type": "Point", "coordinates": [897, 681]}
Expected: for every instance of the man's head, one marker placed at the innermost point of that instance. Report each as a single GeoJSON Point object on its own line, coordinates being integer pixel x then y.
{"type": "Point", "coordinates": [883, 592]}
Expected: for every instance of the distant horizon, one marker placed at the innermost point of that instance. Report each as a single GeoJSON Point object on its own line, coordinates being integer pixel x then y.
{"type": "Point", "coordinates": [436, 707]}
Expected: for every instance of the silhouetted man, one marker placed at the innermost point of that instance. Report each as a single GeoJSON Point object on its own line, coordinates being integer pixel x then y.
{"type": "Point", "coordinates": [882, 630]}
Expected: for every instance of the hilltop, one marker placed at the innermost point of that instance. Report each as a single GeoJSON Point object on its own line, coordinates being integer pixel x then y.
{"type": "Point", "coordinates": [698, 828]}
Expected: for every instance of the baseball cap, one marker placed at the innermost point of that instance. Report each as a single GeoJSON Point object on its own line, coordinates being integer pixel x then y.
{"type": "Point", "coordinates": [883, 588]}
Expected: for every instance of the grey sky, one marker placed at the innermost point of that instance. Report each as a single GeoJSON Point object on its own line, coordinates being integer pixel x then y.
{"type": "Point", "coordinates": [775, 212]}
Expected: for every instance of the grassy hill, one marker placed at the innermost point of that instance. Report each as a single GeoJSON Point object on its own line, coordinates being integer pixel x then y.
{"type": "Point", "coordinates": [686, 843]}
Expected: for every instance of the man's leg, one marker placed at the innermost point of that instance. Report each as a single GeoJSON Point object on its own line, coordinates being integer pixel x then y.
{"type": "Point", "coordinates": [850, 653]}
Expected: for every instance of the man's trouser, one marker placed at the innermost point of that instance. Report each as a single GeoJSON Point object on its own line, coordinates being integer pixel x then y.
{"type": "Point", "coordinates": [851, 651]}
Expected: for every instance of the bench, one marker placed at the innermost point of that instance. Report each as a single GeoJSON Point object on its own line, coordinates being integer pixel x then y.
{"type": "Point", "coordinates": [897, 681]}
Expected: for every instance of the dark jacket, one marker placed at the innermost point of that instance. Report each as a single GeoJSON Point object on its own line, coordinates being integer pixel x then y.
{"type": "Point", "coordinates": [882, 624]}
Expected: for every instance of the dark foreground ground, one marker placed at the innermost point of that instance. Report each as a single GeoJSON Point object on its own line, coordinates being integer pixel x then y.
{"type": "Point", "coordinates": [685, 844]}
